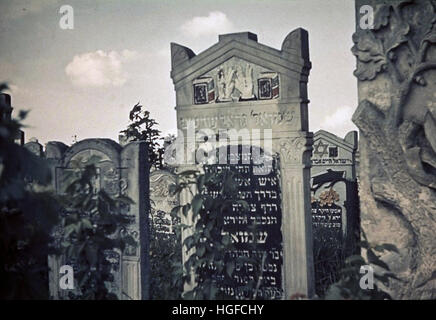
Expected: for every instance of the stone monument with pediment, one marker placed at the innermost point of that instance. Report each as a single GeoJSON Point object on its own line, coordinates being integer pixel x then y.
{"type": "Point", "coordinates": [335, 204]}
{"type": "Point", "coordinates": [334, 177]}
{"type": "Point", "coordinates": [258, 94]}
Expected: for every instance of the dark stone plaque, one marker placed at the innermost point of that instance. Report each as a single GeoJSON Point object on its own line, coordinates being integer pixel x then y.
{"type": "Point", "coordinates": [261, 226]}
{"type": "Point", "coordinates": [200, 93]}
{"type": "Point", "coordinates": [265, 90]}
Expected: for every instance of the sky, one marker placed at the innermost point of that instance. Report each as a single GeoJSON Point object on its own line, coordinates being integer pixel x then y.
{"type": "Point", "coordinates": [81, 83]}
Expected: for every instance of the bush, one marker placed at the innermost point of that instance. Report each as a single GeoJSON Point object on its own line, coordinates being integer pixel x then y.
{"type": "Point", "coordinates": [28, 214]}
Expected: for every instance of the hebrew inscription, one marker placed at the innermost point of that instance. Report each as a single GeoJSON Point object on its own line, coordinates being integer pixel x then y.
{"type": "Point", "coordinates": [262, 193]}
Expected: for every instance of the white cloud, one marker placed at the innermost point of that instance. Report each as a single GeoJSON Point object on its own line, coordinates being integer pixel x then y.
{"type": "Point", "coordinates": [100, 68]}
{"type": "Point", "coordinates": [215, 23]}
{"type": "Point", "coordinates": [339, 122]}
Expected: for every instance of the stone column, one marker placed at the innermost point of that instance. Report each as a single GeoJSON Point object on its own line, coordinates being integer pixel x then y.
{"type": "Point", "coordinates": [134, 175]}
{"type": "Point", "coordinates": [298, 269]}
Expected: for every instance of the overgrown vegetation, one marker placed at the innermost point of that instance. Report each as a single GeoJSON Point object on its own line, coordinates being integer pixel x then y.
{"type": "Point", "coordinates": [329, 258]}
{"type": "Point", "coordinates": [91, 221]}
{"type": "Point", "coordinates": [165, 257]}
{"type": "Point", "coordinates": [165, 246]}
{"type": "Point", "coordinates": [143, 128]}
{"type": "Point", "coordinates": [348, 287]}
{"type": "Point", "coordinates": [28, 214]}
{"type": "Point", "coordinates": [209, 265]}
{"type": "Point", "coordinates": [92, 238]}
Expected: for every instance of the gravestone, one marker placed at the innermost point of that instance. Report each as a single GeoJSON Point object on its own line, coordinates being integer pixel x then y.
{"type": "Point", "coordinates": [334, 183]}
{"type": "Point", "coordinates": [396, 117]}
{"type": "Point", "coordinates": [254, 95]}
{"type": "Point", "coordinates": [162, 201]}
{"type": "Point", "coordinates": [35, 147]}
{"type": "Point", "coordinates": [262, 226]}
{"type": "Point", "coordinates": [121, 171]}
{"type": "Point", "coordinates": [335, 205]}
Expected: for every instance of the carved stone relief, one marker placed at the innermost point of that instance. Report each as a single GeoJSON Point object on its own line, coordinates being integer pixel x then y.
{"type": "Point", "coordinates": [396, 69]}
{"type": "Point", "coordinates": [236, 80]}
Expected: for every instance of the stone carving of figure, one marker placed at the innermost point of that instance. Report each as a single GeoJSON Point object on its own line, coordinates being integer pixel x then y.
{"type": "Point", "coordinates": [244, 82]}
{"type": "Point", "coordinates": [226, 84]}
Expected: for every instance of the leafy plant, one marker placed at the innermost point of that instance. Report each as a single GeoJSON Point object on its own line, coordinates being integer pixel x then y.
{"type": "Point", "coordinates": [28, 213]}
{"type": "Point", "coordinates": [329, 256]}
{"type": "Point", "coordinates": [348, 286]}
{"type": "Point", "coordinates": [92, 226]}
{"type": "Point", "coordinates": [143, 128]}
{"type": "Point", "coordinates": [165, 257]}
{"type": "Point", "coordinates": [209, 243]}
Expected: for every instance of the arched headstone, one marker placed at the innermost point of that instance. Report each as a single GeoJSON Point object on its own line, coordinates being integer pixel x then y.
{"type": "Point", "coordinates": [121, 171]}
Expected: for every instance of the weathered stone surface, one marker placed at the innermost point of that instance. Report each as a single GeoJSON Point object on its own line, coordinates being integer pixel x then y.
{"type": "Point", "coordinates": [162, 201]}
{"type": "Point", "coordinates": [396, 69]}
{"type": "Point", "coordinates": [239, 84]}
{"type": "Point", "coordinates": [35, 147]}
{"type": "Point", "coordinates": [335, 205]}
{"type": "Point", "coordinates": [334, 167]}
{"type": "Point", "coordinates": [121, 171]}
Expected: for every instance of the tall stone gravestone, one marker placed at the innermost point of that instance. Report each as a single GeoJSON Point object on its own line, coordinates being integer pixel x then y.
{"type": "Point", "coordinates": [121, 171]}
{"type": "Point", "coordinates": [395, 48]}
{"type": "Point", "coordinates": [256, 96]}
{"type": "Point", "coordinates": [335, 205]}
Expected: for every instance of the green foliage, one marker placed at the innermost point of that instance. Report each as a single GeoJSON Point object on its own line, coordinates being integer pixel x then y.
{"type": "Point", "coordinates": [143, 128]}
{"type": "Point", "coordinates": [165, 258]}
{"type": "Point", "coordinates": [208, 242]}
{"type": "Point", "coordinates": [329, 257]}
{"type": "Point", "coordinates": [28, 213]}
{"type": "Point", "coordinates": [348, 285]}
{"type": "Point", "coordinates": [91, 232]}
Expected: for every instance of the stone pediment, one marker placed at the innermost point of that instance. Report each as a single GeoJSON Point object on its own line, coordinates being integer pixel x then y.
{"type": "Point", "coordinates": [292, 59]}
{"type": "Point", "coordinates": [348, 144]}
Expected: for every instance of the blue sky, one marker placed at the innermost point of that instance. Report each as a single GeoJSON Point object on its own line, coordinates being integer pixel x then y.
{"type": "Point", "coordinates": [84, 81]}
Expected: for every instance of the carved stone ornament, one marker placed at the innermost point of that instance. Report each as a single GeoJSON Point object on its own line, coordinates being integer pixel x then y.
{"type": "Point", "coordinates": [160, 185]}
{"type": "Point", "coordinates": [236, 80]}
{"type": "Point", "coordinates": [292, 150]}
{"type": "Point", "coordinates": [328, 197]}
{"type": "Point", "coordinates": [396, 69]}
